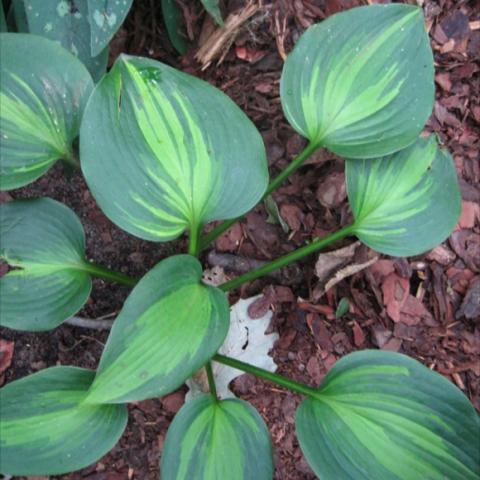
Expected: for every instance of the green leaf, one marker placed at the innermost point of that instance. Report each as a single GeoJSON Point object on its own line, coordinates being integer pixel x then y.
{"type": "Point", "coordinates": [105, 17]}
{"type": "Point", "coordinates": [173, 20]}
{"type": "Point", "coordinates": [217, 440]}
{"type": "Point", "coordinates": [43, 91]}
{"type": "Point", "coordinates": [169, 327]}
{"type": "Point", "coordinates": [212, 7]}
{"type": "Point", "coordinates": [45, 428]}
{"type": "Point", "coordinates": [342, 308]}
{"type": "Point", "coordinates": [3, 20]}
{"type": "Point", "coordinates": [68, 23]}
{"type": "Point", "coordinates": [44, 241]}
{"type": "Point", "coordinates": [361, 82]}
{"type": "Point", "coordinates": [382, 415]}
{"type": "Point", "coordinates": [163, 151]}
{"type": "Point", "coordinates": [406, 203]}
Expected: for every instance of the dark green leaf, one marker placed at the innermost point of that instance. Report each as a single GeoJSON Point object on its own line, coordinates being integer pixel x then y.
{"type": "Point", "coordinates": [217, 440]}
{"type": "Point", "coordinates": [105, 17]}
{"type": "Point", "coordinates": [163, 152]}
{"type": "Point", "coordinates": [3, 20]}
{"type": "Point", "coordinates": [406, 203]}
{"type": "Point", "coordinates": [361, 82]}
{"type": "Point", "coordinates": [169, 327]}
{"type": "Point", "coordinates": [173, 21]}
{"type": "Point", "coordinates": [44, 241]}
{"type": "Point", "coordinates": [45, 428]}
{"type": "Point", "coordinates": [67, 22]}
{"type": "Point", "coordinates": [212, 7]}
{"type": "Point", "coordinates": [382, 415]}
{"type": "Point", "coordinates": [43, 91]}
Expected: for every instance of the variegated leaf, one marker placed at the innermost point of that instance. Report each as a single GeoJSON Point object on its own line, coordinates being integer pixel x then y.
{"type": "Point", "coordinates": [44, 243]}
{"type": "Point", "coordinates": [163, 152]}
{"type": "Point", "coordinates": [217, 440]}
{"type": "Point", "coordinates": [406, 203]}
{"type": "Point", "coordinates": [169, 327]}
{"type": "Point", "coordinates": [43, 90]}
{"type": "Point", "coordinates": [67, 23]}
{"type": "Point", "coordinates": [361, 82]}
{"type": "Point", "coordinates": [45, 429]}
{"type": "Point", "coordinates": [382, 415]}
{"type": "Point", "coordinates": [105, 17]}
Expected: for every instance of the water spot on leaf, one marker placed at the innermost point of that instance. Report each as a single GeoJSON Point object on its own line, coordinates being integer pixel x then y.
{"type": "Point", "coordinates": [63, 8]}
{"type": "Point", "coordinates": [48, 27]}
{"type": "Point", "coordinates": [98, 18]}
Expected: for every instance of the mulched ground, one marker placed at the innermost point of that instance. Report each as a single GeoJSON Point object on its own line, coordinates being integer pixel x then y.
{"type": "Point", "coordinates": [427, 307]}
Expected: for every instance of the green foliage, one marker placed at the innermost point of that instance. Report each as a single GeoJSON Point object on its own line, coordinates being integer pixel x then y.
{"type": "Point", "coordinates": [165, 153]}
{"type": "Point", "coordinates": [213, 8]}
{"type": "Point", "coordinates": [210, 439]}
{"type": "Point", "coordinates": [384, 415]}
{"type": "Point", "coordinates": [169, 327]}
{"type": "Point", "coordinates": [67, 23]}
{"type": "Point", "coordinates": [46, 429]}
{"type": "Point", "coordinates": [361, 83]}
{"type": "Point", "coordinates": [172, 18]}
{"type": "Point", "coordinates": [43, 91]}
{"type": "Point", "coordinates": [406, 203]}
{"type": "Point", "coordinates": [44, 241]}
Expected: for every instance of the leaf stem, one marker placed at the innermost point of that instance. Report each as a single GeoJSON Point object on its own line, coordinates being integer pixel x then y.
{"type": "Point", "coordinates": [211, 380]}
{"type": "Point", "coordinates": [107, 274]}
{"type": "Point", "coordinates": [285, 382]}
{"type": "Point", "coordinates": [194, 241]}
{"type": "Point", "coordinates": [293, 166]}
{"type": "Point", "coordinates": [72, 159]}
{"type": "Point", "coordinates": [317, 244]}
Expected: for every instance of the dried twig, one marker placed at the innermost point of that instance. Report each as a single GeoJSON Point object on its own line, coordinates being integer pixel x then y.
{"type": "Point", "coordinates": [219, 42]}
{"type": "Point", "coordinates": [89, 323]}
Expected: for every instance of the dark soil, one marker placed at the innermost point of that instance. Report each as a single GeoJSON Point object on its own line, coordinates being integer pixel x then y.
{"type": "Point", "coordinates": [427, 307]}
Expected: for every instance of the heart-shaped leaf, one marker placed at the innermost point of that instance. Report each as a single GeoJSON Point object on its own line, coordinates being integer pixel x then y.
{"type": "Point", "coordinates": [45, 428]}
{"type": "Point", "coordinates": [361, 82]}
{"type": "Point", "coordinates": [382, 415]}
{"type": "Point", "coordinates": [163, 152]}
{"type": "Point", "coordinates": [169, 327]}
{"type": "Point", "coordinates": [43, 90]}
{"type": "Point", "coordinates": [406, 203]}
{"type": "Point", "coordinates": [216, 440]}
{"type": "Point", "coordinates": [44, 241]}
{"type": "Point", "coordinates": [67, 23]}
{"type": "Point", "coordinates": [105, 17]}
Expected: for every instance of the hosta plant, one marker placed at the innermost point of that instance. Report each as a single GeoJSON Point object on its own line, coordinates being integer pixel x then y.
{"type": "Point", "coordinates": [164, 153]}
